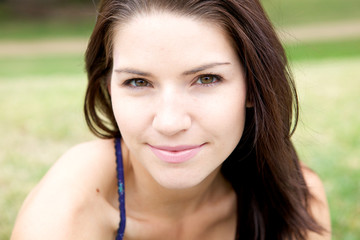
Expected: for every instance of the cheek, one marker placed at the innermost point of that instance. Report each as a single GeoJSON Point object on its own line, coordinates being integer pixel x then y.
{"type": "Point", "coordinates": [226, 113]}
{"type": "Point", "coordinates": [226, 123]}
{"type": "Point", "coordinates": [231, 121]}
{"type": "Point", "coordinates": [131, 116]}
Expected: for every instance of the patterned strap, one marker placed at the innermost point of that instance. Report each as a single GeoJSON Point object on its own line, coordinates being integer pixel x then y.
{"type": "Point", "coordinates": [121, 189]}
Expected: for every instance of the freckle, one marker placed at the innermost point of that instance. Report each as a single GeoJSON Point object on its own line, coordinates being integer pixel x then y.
{"type": "Point", "coordinates": [97, 190]}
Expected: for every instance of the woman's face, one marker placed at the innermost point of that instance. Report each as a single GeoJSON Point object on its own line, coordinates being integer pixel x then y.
{"type": "Point", "coordinates": [178, 95]}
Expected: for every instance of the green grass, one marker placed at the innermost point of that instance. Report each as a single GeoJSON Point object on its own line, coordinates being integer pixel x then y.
{"type": "Point", "coordinates": [15, 25]}
{"type": "Point", "coordinates": [13, 67]}
{"type": "Point", "coordinates": [42, 117]}
{"type": "Point", "coordinates": [328, 135]}
{"type": "Point", "coordinates": [282, 13]}
{"type": "Point", "coordinates": [347, 48]}
{"type": "Point", "coordinates": [34, 29]}
{"type": "Point", "coordinates": [295, 12]}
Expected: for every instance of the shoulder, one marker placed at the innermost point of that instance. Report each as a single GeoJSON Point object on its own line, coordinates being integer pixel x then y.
{"type": "Point", "coordinates": [74, 188]}
{"type": "Point", "coordinates": [318, 203]}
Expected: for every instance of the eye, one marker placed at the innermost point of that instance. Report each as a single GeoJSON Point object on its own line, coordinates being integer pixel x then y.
{"type": "Point", "coordinates": [137, 83]}
{"type": "Point", "coordinates": [207, 79]}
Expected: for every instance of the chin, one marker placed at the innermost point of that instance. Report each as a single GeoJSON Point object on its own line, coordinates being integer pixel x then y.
{"type": "Point", "coordinates": [179, 181]}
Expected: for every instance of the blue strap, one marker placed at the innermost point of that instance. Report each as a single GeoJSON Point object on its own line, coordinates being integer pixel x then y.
{"type": "Point", "coordinates": [121, 189]}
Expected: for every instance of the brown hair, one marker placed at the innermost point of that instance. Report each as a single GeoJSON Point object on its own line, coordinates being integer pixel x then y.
{"type": "Point", "coordinates": [264, 169]}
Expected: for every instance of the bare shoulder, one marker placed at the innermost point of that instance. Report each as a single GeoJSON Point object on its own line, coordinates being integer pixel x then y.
{"type": "Point", "coordinates": [77, 186]}
{"type": "Point", "coordinates": [318, 203]}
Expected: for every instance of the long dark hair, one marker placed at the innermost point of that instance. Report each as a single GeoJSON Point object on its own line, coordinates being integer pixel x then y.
{"type": "Point", "coordinates": [264, 169]}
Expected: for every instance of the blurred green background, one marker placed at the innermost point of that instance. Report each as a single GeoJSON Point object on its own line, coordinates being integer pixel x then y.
{"type": "Point", "coordinates": [42, 85]}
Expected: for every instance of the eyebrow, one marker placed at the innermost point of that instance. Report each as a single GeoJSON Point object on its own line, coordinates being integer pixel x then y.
{"type": "Point", "coordinates": [189, 72]}
{"type": "Point", "coordinates": [204, 67]}
{"type": "Point", "coordinates": [133, 71]}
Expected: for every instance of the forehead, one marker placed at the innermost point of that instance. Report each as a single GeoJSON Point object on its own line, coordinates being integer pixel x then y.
{"type": "Point", "coordinates": [169, 38]}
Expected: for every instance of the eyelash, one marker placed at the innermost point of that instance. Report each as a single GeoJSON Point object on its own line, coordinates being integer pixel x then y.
{"type": "Point", "coordinates": [131, 83]}
{"type": "Point", "coordinates": [217, 78]}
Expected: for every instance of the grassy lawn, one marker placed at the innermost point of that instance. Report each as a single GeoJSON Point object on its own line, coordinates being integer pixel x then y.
{"type": "Point", "coordinates": [42, 117]}
{"type": "Point", "coordinates": [35, 29]}
{"type": "Point", "coordinates": [13, 67]}
{"type": "Point", "coordinates": [15, 25]}
{"type": "Point", "coordinates": [347, 48]}
{"type": "Point", "coordinates": [327, 138]}
{"type": "Point", "coordinates": [282, 13]}
{"type": "Point", "coordinates": [295, 12]}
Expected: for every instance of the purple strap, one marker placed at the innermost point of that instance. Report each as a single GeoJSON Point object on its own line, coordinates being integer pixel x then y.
{"type": "Point", "coordinates": [121, 189]}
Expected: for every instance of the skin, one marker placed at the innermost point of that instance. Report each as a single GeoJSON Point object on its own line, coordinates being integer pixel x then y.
{"type": "Point", "coordinates": [175, 107]}
{"type": "Point", "coordinates": [165, 90]}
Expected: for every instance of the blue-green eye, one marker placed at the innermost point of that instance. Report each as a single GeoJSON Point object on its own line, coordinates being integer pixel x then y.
{"type": "Point", "coordinates": [207, 79]}
{"type": "Point", "coordinates": [137, 83]}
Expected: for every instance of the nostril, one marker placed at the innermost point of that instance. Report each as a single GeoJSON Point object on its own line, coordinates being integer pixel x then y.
{"type": "Point", "coordinates": [171, 124]}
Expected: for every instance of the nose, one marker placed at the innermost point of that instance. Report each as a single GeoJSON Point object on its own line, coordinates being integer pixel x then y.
{"type": "Point", "coordinates": [172, 114]}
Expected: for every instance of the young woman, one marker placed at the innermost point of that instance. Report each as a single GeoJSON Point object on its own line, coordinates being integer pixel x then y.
{"type": "Point", "coordinates": [197, 105]}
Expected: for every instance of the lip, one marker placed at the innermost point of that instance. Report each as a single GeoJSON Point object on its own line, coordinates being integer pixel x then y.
{"type": "Point", "coordinates": [176, 154]}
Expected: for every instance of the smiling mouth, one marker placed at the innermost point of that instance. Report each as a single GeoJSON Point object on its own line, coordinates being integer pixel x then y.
{"type": "Point", "coordinates": [177, 154]}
